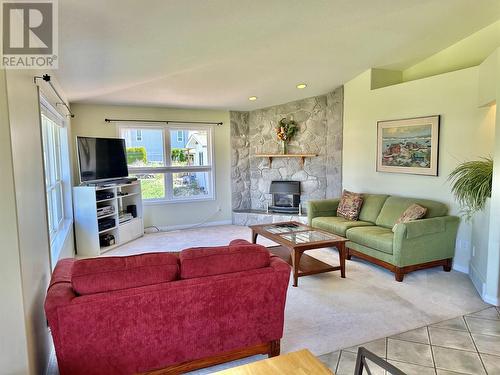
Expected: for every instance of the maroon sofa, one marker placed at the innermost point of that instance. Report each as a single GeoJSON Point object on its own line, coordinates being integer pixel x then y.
{"type": "Point", "coordinates": [177, 312]}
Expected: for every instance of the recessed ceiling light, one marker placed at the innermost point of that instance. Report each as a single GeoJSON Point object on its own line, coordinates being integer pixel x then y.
{"type": "Point", "coordinates": [301, 86]}
{"type": "Point", "coordinates": [252, 98]}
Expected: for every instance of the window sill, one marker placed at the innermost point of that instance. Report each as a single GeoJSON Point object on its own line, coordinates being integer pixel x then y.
{"type": "Point", "coordinates": [57, 243]}
{"type": "Point", "coordinates": [160, 202]}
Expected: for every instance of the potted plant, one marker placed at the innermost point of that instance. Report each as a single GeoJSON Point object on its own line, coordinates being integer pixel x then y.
{"type": "Point", "coordinates": [471, 185]}
{"type": "Point", "coordinates": [285, 131]}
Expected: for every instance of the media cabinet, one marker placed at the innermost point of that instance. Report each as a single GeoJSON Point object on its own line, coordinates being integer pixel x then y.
{"type": "Point", "coordinates": [86, 205]}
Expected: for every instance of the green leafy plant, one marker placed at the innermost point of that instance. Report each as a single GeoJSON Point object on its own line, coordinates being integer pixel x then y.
{"type": "Point", "coordinates": [136, 155]}
{"type": "Point", "coordinates": [471, 184]}
{"type": "Point", "coordinates": [179, 155]}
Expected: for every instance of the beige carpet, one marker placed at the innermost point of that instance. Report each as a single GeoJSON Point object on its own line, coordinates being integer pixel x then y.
{"type": "Point", "coordinates": [326, 313]}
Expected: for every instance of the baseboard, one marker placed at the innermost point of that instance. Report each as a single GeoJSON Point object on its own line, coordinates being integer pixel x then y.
{"type": "Point", "coordinates": [169, 228]}
{"type": "Point", "coordinates": [480, 286]}
{"type": "Point", "coordinates": [52, 362]}
{"type": "Point", "coordinates": [477, 280]}
{"type": "Point", "coordinates": [459, 268]}
{"type": "Point", "coordinates": [491, 300]}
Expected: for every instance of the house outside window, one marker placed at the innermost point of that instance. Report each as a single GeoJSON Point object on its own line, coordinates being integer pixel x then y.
{"type": "Point", "coordinates": [173, 163]}
{"type": "Point", "coordinates": [138, 135]}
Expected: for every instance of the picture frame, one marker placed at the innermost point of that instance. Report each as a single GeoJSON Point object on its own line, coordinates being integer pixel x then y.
{"type": "Point", "coordinates": [409, 145]}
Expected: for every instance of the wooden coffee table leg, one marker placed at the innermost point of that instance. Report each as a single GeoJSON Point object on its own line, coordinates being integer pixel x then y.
{"type": "Point", "coordinates": [254, 237]}
{"type": "Point", "coordinates": [342, 256]}
{"type": "Point", "coordinates": [296, 255]}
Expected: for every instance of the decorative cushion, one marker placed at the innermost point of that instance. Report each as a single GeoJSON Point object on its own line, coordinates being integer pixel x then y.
{"type": "Point", "coordinates": [395, 206]}
{"type": "Point", "coordinates": [350, 205]}
{"type": "Point", "coordinates": [239, 256]}
{"type": "Point", "coordinates": [106, 274]}
{"type": "Point", "coordinates": [414, 212]}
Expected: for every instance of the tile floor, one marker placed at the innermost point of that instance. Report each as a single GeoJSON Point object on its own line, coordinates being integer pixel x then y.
{"type": "Point", "coordinates": [465, 345]}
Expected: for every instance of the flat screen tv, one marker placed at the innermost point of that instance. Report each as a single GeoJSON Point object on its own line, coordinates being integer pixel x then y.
{"type": "Point", "coordinates": [101, 158]}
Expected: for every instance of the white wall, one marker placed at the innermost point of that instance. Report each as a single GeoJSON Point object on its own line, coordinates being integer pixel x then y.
{"type": "Point", "coordinates": [26, 253]}
{"type": "Point", "coordinates": [466, 133]}
{"type": "Point", "coordinates": [13, 340]}
{"type": "Point", "coordinates": [468, 52]}
{"type": "Point", "coordinates": [489, 94]}
{"type": "Point", "coordinates": [89, 121]}
{"type": "Point", "coordinates": [480, 242]}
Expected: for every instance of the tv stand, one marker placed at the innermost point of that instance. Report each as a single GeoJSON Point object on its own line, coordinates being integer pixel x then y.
{"type": "Point", "coordinates": [89, 212]}
{"type": "Point", "coordinates": [110, 183]}
{"type": "Point", "coordinates": [122, 181]}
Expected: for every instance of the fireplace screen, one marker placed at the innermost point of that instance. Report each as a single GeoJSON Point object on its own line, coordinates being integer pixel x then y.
{"type": "Point", "coordinates": [286, 196]}
{"type": "Point", "coordinates": [283, 200]}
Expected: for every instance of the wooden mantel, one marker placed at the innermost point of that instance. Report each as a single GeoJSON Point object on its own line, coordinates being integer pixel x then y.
{"type": "Point", "coordinates": [272, 156]}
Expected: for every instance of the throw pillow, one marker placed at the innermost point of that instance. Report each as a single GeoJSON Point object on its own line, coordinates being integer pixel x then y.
{"type": "Point", "coordinates": [414, 212]}
{"type": "Point", "coordinates": [350, 205]}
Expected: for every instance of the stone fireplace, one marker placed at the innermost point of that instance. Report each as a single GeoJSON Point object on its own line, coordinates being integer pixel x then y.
{"type": "Point", "coordinates": [320, 133]}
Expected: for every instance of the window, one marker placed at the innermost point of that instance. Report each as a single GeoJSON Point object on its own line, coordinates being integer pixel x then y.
{"type": "Point", "coordinates": [138, 135]}
{"type": "Point", "coordinates": [57, 170]}
{"type": "Point", "coordinates": [52, 136]}
{"type": "Point", "coordinates": [173, 164]}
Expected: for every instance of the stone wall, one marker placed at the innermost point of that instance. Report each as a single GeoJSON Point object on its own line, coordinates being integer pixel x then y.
{"type": "Point", "coordinates": [320, 132]}
{"type": "Point", "coordinates": [240, 161]}
{"type": "Point", "coordinates": [250, 217]}
{"type": "Point", "coordinates": [334, 125]}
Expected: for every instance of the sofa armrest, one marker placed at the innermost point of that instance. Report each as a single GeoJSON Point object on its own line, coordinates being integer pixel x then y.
{"type": "Point", "coordinates": [324, 207]}
{"type": "Point", "coordinates": [279, 264]}
{"type": "Point", "coordinates": [60, 291]}
{"type": "Point", "coordinates": [425, 240]}
{"type": "Point", "coordinates": [59, 294]}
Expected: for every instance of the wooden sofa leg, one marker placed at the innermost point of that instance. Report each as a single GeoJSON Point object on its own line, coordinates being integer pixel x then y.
{"type": "Point", "coordinates": [447, 266]}
{"type": "Point", "coordinates": [348, 255]}
{"type": "Point", "coordinates": [399, 275]}
{"type": "Point", "coordinates": [274, 348]}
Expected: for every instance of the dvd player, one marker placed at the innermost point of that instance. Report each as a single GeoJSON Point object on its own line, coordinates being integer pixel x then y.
{"type": "Point", "coordinates": [106, 224]}
{"type": "Point", "coordinates": [101, 195]}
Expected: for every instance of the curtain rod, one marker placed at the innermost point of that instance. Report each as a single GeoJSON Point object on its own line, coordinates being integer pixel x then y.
{"type": "Point", "coordinates": [46, 78]}
{"type": "Point", "coordinates": [109, 120]}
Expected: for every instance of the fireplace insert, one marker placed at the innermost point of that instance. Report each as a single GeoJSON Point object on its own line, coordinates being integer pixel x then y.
{"type": "Point", "coordinates": [285, 197]}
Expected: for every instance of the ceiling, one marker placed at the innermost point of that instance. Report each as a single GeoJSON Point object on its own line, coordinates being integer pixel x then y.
{"type": "Point", "coordinates": [217, 53]}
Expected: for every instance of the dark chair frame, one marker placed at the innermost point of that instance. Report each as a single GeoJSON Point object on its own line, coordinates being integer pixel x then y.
{"type": "Point", "coordinates": [364, 354]}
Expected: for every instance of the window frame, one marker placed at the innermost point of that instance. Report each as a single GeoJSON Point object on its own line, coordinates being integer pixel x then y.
{"type": "Point", "coordinates": [168, 169]}
{"type": "Point", "coordinates": [54, 180]}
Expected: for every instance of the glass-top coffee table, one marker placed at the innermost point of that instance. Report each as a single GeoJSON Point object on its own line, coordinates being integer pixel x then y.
{"type": "Point", "coordinates": [296, 238]}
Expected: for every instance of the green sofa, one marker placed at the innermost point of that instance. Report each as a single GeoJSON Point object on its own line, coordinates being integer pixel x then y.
{"type": "Point", "coordinates": [419, 244]}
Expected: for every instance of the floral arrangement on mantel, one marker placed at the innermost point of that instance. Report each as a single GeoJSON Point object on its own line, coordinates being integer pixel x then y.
{"type": "Point", "coordinates": [285, 131]}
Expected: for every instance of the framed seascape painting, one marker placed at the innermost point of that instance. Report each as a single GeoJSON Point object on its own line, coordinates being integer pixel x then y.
{"type": "Point", "coordinates": [408, 146]}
